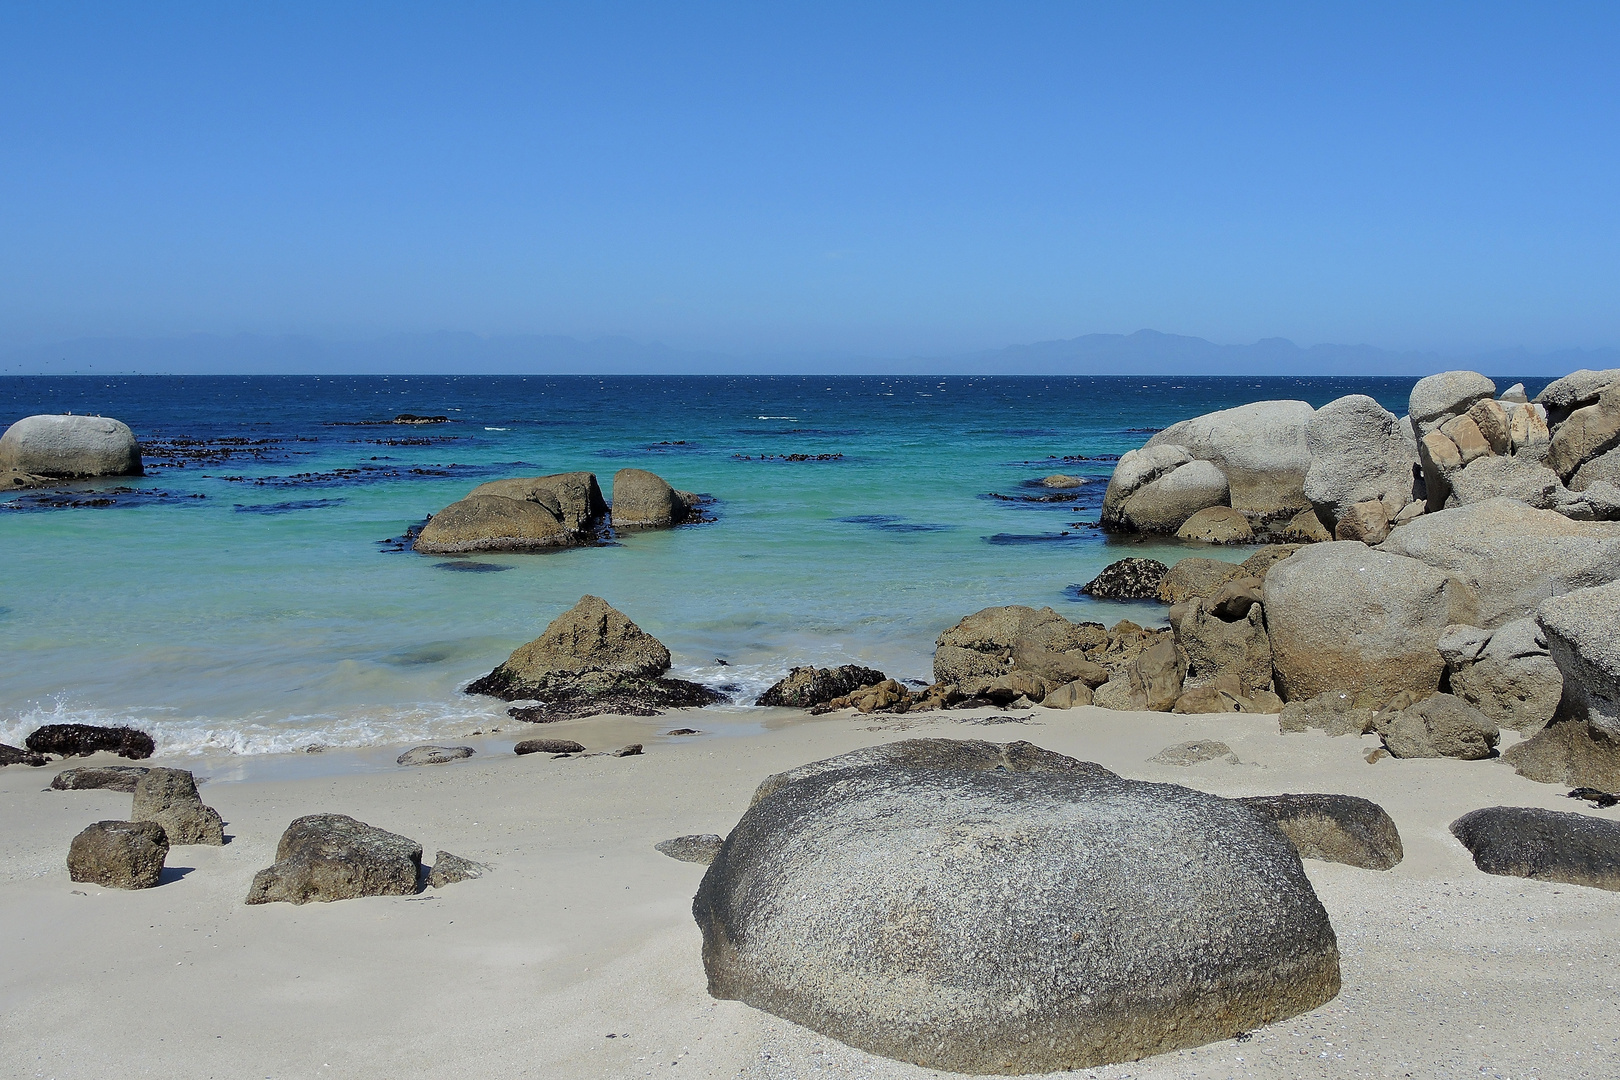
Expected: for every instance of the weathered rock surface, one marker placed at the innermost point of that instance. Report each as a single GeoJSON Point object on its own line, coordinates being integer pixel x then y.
{"type": "Point", "coordinates": [69, 446]}
{"type": "Point", "coordinates": [434, 755]}
{"type": "Point", "coordinates": [1164, 504]}
{"type": "Point", "coordinates": [1568, 751]}
{"type": "Point", "coordinates": [1217, 525]}
{"type": "Point", "coordinates": [324, 857]}
{"type": "Point", "coordinates": [1305, 527]}
{"type": "Point", "coordinates": [1366, 522]}
{"type": "Point", "coordinates": [1438, 398]}
{"type": "Point", "coordinates": [549, 746]}
{"type": "Point", "coordinates": [806, 686]}
{"type": "Point", "coordinates": [1134, 470]}
{"type": "Point", "coordinates": [523, 514]}
{"type": "Point", "coordinates": [1260, 563]}
{"type": "Point", "coordinates": [451, 869]}
{"type": "Point", "coordinates": [697, 848]}
{"type": "Point", "coordinates": [1197, 576]}
{"type": "Point", "coordinates": [1060, 918]}
{"type": "Point", "coordinates": [1545, 845]}
{"type": "Point", "coordinates": [1583, 636]}
{"type": "Point", "coordinates": [1260, 448]}
{"type": "Point", "coordinates": [1588, 432]}
{"type": "Point", "coordinates": [644, 500]}
{"type": "Point", "coordinates": [1506, 477]}
{"type": "Point", "coordinates": [169, 797]}
{"type": "Point", "coordinates": [109, 777]}
{"type": "Point", "coordinates": [1068, 696]}
{"type": "Point", "coordinates": [1513, 556]}
{"type": "Point", "coordinates": [1333, 712]}
{"type": "Point", "coordinates": [1341, 616]}
{"type": "Point", "coordinates": [119, 854]}
{"type": "Point", "coordinates": [1359, 451]}
{"type": "Point", "coordinates": [996, 641]}
{"type": "Point", "coordinates": [1334, 828]}
{"type": "Point", "coordinates": [82, 740]}
{"type": "Point", "coordinates": [1576, 389]}
{"type": "Point", "coordinates": [1127, 579]}
{"type": "Point", "coordinates": [1156, 677]}
{"type": "Point", "coordinates": [1217, 640]}
{"type": "Point", "coordinates": [1605, 468]}
{"type": "Point", "coordinates": [16, 755]}
{"type": "Point", "coordinates": [1509, 674]}
{"type": "Point", "coordinates": [1197, 752]}
{"type": "Point", "coordinates": [591, 659]}
{"type": "Point", "coordinates": [1440, 725]}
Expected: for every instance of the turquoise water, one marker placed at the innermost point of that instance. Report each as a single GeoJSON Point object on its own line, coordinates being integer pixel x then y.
{"type": "Point", "coordinates": [265, 615]}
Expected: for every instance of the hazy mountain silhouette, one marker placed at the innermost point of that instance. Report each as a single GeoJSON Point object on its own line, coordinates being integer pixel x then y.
{"type": "Point", "coordinates": [1146, 352]}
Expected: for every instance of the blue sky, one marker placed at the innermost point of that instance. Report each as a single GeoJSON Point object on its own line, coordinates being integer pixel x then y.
{"type": "Point", "coordinates": [890, 179]}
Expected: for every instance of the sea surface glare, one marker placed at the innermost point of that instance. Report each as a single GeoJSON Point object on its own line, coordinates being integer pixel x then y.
{"type": "Point", "coordinates": [241, 597]}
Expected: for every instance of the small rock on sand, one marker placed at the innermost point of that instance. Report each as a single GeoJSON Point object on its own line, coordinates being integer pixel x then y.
{"type": "Point", "coordinates": [449, 869]}
{"type": "Point", "coordinates": [1195, 753]}
{"type": "Point", "coordinates": [108, 777]}
{"type": "Point", "coordinates": [697, 848]}
{"type": "Point", "coordinates": [549, 746]}
{"type": "Point", "coordinates": [119, 854]}
{"type": "Point", "coordinates": [1335, 828]}
{"type": "Point", "coordinates": [633, 750]}
{"type": "Point", "coordinates": [434, 755]}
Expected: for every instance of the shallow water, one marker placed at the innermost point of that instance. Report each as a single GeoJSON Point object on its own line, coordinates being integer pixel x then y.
{"type": "Point", "coordinates": [241, 599]}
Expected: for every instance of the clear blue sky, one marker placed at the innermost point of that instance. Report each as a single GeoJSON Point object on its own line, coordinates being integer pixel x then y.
{"type": "Point", "coordinates": [887, 179]}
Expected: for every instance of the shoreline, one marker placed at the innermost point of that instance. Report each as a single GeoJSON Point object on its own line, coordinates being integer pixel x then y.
{"type": "Point", "coordinates": [581, 929]}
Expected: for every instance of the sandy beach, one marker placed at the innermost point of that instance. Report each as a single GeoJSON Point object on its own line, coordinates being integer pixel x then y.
{"type": "Point", "coordinates": [577, 954]}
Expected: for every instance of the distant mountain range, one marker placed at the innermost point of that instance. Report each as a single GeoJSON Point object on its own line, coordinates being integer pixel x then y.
{"type": "Point", "coordinates": [1146, 352]}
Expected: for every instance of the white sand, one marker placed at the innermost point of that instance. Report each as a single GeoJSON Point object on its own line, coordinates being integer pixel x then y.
{"type": "Point", "coordinates": [583, 932]}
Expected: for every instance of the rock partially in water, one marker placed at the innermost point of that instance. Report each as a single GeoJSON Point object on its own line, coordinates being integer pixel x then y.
{"type": "Point", "coordinates": [1062, 917]}
{"type": "Point", "coordinates": [806, 686]}
{"type": "Point", "coordinates": [14, 755]}
{"type": "Point", "coordinates": [644, 500]}
{"type": "Point", "coordinates": [697, 848]}
{"type": "Point", "coordinates": [70, 446]}
{"type": "Point", "coordinates": [119, 854]}
{"type": "Point", "coordinates": [549, 746]}
{"type": "Point", "coordinates": [1127, 579]}
{"type": "Point", "coordinates": [1546, 845]}
{"type": "Point", "coordinates": [325, 857]}
{"type": "Point", "coordinates": [82, 740]}
{"type": "Point", "coordinates": [1335, 828]}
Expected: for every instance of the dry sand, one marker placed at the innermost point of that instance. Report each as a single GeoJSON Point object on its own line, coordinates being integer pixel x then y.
{"type": "Point", "coordinates": [577, 955]}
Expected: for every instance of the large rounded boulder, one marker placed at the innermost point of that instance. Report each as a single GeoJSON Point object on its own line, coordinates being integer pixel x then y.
{"type": "Point", "coordinates": [1260, 448]}
{"type": "Point", "coordinates": [70, 446]}
{"type": "Point", "coordinates": [1343, 616]}
{"type": "Point", "coordinates": [1359, 451]}
{"type": "Point", "coordinates": [520, 514]}
{"type": "Point", "coordinates": [644, 500]}
{"type": "Point", "coordinates": [955, 910]}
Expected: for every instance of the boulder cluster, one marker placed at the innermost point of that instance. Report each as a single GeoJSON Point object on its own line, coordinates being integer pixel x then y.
{"type": "Point", "coordinates": [166, 812]}
{"type": "Point", "coordinates": [563, 510]}
{"type": "Point", "coordinates": [1352, 470]}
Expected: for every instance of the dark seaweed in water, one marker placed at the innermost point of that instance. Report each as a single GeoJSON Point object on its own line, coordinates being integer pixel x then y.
{"type": "Point", "coordinates": [893, 523]}
{"type": "Point", "coordinates": [1017, 539]}
{"type": "Point", "coordinates": [364, 474]}
{"type": "Point", "coordinates": [789, 457]}
{"type": "Point", "coordinates": [1061, 496]}
{"type": "Point", "coordinates": [404, 543]}
{"type": "Point", "coordinates": [467, 566]}
{"type": "Point", "coordinates": [286, 507]}
{"type": "Point", "coordinates": [118, 498]}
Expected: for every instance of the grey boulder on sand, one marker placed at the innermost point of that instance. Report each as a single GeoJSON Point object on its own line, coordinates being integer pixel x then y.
{"type": "Point", "coordinates": [119, 854]}
{"type": "Point", "coordinates": [324, 857]}
{"type": "Point", "coordinates": [697, 848]}
{"type": "Point", "coordinates": [981, 919]}
{"type": "Point", "coordinates": [548, 746]}
{"type": "Point", "coordinates": [1583, 635]}
{"type": "Point", "coordinates": [644, 500]}
{"type": "Point", "coordinates": [169, 797]}
{"type": "Point", "coordinates": [434, 755]}
{"type": "Point", "coordinates": [1507, 674]}
{"type": "Point", "coordinates": [70, 446]}
{"type": "Point", "coordinates": [1546, 845]}
{"type": "Point", "coordinates": [1342, 616]}
{"type": "Point", "coordinates": [1195, 752]}
{"type": "Point", "coordinates": [109, 777]}
{"type": "Point", "coordinates": [1334, 828]}
{"type": "Point", "coordinates": [1441, 725]}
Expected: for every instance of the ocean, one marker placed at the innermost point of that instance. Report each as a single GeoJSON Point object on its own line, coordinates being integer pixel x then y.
{"type": "Point", "coordinates": [248, 595]}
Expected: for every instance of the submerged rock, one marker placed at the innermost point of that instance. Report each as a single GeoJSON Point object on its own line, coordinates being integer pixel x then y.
{"type": "Point", "coordinates": [82, 740]}
{"type": "Point", "coordinates": [1334, 828]}
{"type": "Point", "coordinates": [70, 446]}
{"type": "Point", "coordinates": [1546, 845]}
{"type": "Point", "coordinates": [1061, 917]}
{"type": "Point", "coordinates": [324, 857]}
{"type": "Point", "coordinates": [119, 854]}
